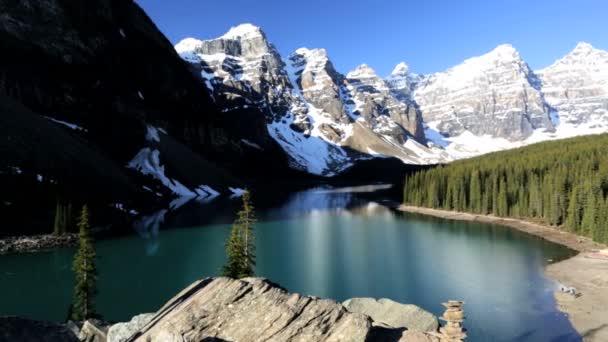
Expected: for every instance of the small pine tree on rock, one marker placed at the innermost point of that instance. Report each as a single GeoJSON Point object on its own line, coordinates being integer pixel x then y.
{"type": "Point", "coordinates": [240, 246]}
{"type": "Point", "coordinates": [85, 270]}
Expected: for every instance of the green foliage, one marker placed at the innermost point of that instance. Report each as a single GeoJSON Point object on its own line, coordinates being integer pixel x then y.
{"type": "Point", "coordinates": [85, 270]}
{"type": "Point", "coordinates": [562, 183]}
{"type": "Point", "coordinates": [240, 246]}
{"type": "Point", "coordinates": [63, 218]}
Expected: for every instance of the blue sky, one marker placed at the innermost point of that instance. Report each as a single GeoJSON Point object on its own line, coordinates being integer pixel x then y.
{"type": "Point", "coordinates": [429, 35]}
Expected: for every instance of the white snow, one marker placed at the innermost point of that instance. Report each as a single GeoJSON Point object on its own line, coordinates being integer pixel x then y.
{"type": "Point", "coordinates": [236, 192]}
{"type": "Point", "coordinates": [243, 31]}
{"type": "Point", "coordinates": [204, 191]}
{"type": "Point", "coordinates": [67, 124]}
{"type": "Point", "coordinates": [17, 170]}
{"type": "Point", "coordinates": [187, 45]}
{"type": "Point", "coordinates": [251, 144]}
{"type": "Point", "coordinates": [147, 161]}
{"type": "Point", "coordinates": [152, 134]}
{"type": "Point", "coordinates": [401, 69]}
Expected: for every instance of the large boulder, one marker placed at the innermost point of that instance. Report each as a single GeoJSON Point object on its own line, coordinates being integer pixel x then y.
{"type": "Point", "coordinates": [251, 309]}
{"type": "Point", "coordinates": [121, 332]}
{"type": "Point", "coordinates": [92, 332]}
{"type": "Point", "coordinates": [393, 314]}
{"type": "Point", "coordinates": [254, 309]}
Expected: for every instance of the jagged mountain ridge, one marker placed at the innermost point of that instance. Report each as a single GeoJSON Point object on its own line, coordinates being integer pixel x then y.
{"type": "Point", "coordinates": [495, 101]}
{"type": "Point", "coordinates": [323, 120]}
{"type": "Point", "coordinates": [577, 87]}
{"type": "Point", "coordinates": [487, 103]}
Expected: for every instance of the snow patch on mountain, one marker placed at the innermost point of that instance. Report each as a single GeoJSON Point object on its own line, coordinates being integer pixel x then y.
{"type": "Point", "coordinates": [67, 124]}
{"type": "Point", "coordinates": [312, 153]}
{"type": "Point", "coordinates": [152, 134]}
{"type": "Point", "coordinates": [147, 162]}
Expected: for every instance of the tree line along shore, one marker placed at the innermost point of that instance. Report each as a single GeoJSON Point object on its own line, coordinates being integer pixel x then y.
{"type": "Point", "coordinates": [561, 183]}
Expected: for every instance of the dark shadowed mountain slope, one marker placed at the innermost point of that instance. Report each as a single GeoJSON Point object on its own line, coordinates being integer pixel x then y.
{"type": "Point", "coordinates": [96, 99]}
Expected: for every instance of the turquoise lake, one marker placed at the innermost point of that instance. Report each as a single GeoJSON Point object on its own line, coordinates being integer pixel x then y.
{"type": "Point", "coordinates": [328, 243]}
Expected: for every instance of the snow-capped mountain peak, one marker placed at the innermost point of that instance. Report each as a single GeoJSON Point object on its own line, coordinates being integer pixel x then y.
{"type": "Point", "coordinates": [583, 48]}
{"type": "Point", "coordinates": [187, 45]}
{"type": "Point", "coordinates": [362, 71]}
{"type": "Point", "coordinates": [243, 31]}
{"type": "Point", "coordinates": [325, 121]}
{"type": "Point", "coordinates": [576, 86]}
{"type": "Point", "coordinates": [401, 69]}
{"type": "Point", "coordinates": [505, 50]}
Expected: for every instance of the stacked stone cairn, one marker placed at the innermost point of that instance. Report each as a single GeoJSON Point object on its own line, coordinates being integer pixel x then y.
{"type": "Point", "coordinates": [452, 331]}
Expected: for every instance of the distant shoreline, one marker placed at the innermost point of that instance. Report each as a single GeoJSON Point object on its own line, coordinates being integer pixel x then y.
{"type": "Point", "coordinates": [588, 312]}
{"type": "Point", "coordinates": [570, 240]}
{"type": "Point", "coordinates": [36, 243]}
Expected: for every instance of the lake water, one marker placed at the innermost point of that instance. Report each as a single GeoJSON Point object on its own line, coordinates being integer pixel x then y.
{"type": "Point", "coordinates": [333, 244]}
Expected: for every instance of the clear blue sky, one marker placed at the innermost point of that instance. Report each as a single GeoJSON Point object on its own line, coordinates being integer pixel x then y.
{"type": "Point", "coordinates": [429, 35]}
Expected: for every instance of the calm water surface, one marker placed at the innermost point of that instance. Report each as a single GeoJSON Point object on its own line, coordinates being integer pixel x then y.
{"type": "Point", "coordinates": [318, 242]}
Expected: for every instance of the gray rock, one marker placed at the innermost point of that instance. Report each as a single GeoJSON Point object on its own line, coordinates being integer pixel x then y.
{"type": "Point", "coordinates": [255, 309]}
{"type": "Point", "coordinates": [495, 94]}
{"type": "Point", "coordinates": [120, 332]}
{"type": "Point", "coordinates": [90, 332]}
{"type": "Point", "coordinates": [308, 106]}
{"type": "Point", "coordinates": [576, 86]}
{"type": "Point", "coordinates": [394, 314]}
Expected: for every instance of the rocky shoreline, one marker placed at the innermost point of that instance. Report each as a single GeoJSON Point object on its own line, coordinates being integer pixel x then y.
{"type": "Point", "coordinates": [588, 275]}
{"type": "Point", "coordinates": [250, 309]}
{"type": "Point", "coordinates": [36, 243]}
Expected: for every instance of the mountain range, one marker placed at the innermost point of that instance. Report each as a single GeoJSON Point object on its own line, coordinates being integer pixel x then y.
{"type": "Point", "coordinates": [97, 106]}
{"type": "Point", "coordinates": [326, 121]}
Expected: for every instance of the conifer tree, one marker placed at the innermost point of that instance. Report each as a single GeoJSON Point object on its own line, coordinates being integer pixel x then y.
{"type": "Point", "coordinates": [59, 224]}
{"type": "Point", "coordinates": [240, 246]}
{"type": "Point", "coordinates": [85, 270]}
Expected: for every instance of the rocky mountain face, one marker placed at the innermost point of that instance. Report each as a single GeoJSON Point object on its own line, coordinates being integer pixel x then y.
{"type": "Point", "coordinates": [576, 86]}
{"type": "Point", "coordinates": [323, 120]}
{"type": "Point", "coordinates": [496, 94]}
{"type": "Point", "coordinates": [327, 121]}
{"type": "Point", "coordinates": [495, 101]}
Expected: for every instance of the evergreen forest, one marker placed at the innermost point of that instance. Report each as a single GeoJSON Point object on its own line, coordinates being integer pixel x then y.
{"type": "Point", "coordinates": [563, 183]}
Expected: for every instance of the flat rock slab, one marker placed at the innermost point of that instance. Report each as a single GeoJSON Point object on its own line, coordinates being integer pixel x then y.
{"type": "Point", "coordinates": [394, 314]}
{"type": "Point", "coordinates": [251, 309]}
{"type": "Point", "coordinates": [120, 332]}
{"type": "Point", "coordinates": [255, 309]}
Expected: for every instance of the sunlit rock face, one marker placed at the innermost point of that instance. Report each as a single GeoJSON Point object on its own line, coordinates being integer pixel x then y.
{"type": "Point", "coordinates": [323, 120]}
{"type": "Point", "coordinates": [376, 104]}
{"type": "Point", "coordinates": [495, 94]}
{"type": "Point", "coordinates": [576, 86]}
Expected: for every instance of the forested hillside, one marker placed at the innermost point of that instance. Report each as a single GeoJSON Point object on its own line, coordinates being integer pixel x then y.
{"type": "Point", "coordinates": [562, 183]}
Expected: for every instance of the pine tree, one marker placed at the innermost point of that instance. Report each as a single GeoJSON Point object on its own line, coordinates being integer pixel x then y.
{"type": "Point", "coordinates": [59, 224]}
{"type": "Point", "coordinates": [475, 192]}
{"type": "Point", "coordinates": [85, 270]}
{"type": "Point", "coordinates": [63, 218]}
{"type": "Point", "coordinates": [573, 220]}
{"type": "Point", "coordinates": [240, 246]}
